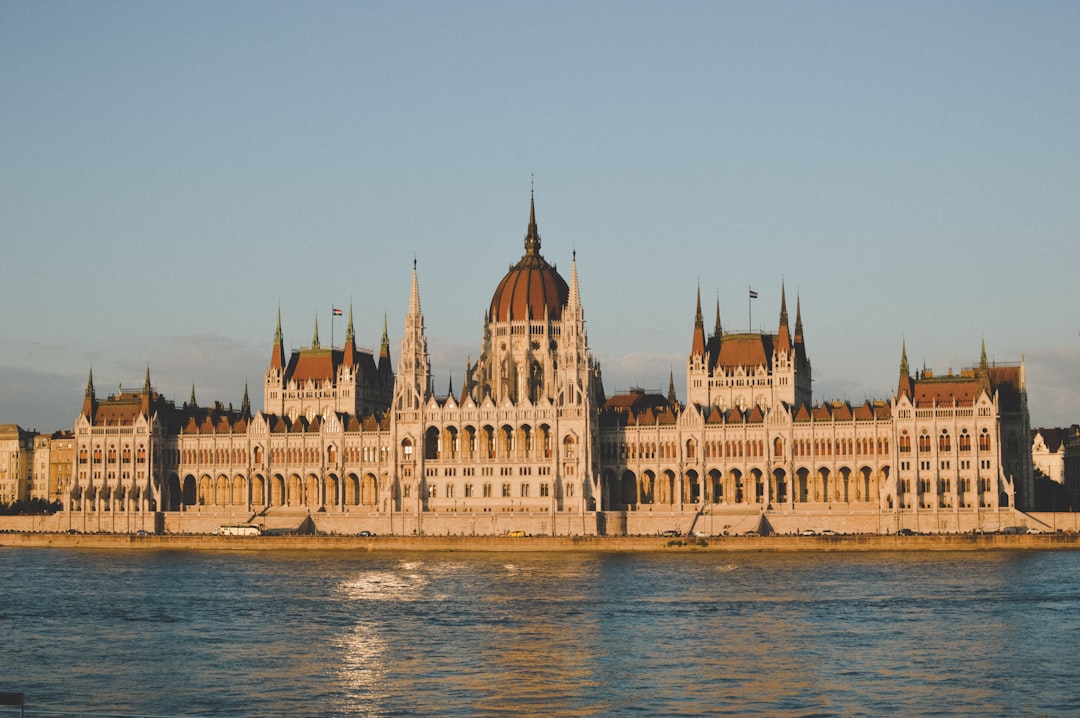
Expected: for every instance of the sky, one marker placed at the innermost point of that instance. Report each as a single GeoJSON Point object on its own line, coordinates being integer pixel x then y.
{"type": "Point", "coordinates": [173, 173]}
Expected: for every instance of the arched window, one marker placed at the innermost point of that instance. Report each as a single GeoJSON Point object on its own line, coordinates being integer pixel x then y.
{"type": "Point", "coordinates": [984, 440]}
{"type": "Point", "coordinates": [924, 442]}
{"type": "Point", "coordinates": [778, 446]}
{"type": "Point", "coordinates": [965, 440]}
{"type": "Point", "coordinates": [568, 447]}
{"type": "Point", "coordinates": [944, 441]}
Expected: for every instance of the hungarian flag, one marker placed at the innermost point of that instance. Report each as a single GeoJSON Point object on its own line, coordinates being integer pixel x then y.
{"type": "Point", "coordinates": [337, 312]}
{"type": "Point", "coordinates": [753, 294]}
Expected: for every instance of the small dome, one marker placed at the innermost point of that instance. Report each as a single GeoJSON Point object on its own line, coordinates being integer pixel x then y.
{"type": "Point", "coordinates": [532, 286]}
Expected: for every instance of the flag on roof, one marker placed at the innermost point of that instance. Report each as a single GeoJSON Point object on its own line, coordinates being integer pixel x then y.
{"type": "Point", "coordinates": [753, 294]}
{"type": "Point", "coordinates": [337, 312]}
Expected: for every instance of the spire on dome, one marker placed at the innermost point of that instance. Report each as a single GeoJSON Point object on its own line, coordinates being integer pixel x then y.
{"type": "Point", "coordinates": [697, 348]}
{"type": "Point", "coordinates": [532, 237]}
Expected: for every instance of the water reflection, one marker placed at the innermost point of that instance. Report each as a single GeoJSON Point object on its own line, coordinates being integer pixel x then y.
{"type": "Point", "coordinates": [567, 634]}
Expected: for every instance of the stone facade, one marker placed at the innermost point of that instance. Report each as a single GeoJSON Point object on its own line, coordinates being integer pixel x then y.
{"type": "Point", "coordinates": [16, 463]}
{"type": "Point", "coordinates": [532, 443]}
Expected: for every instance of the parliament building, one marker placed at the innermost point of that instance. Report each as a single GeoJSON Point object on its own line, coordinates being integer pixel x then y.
{"type": "Point", "coordinates": [531, 443]}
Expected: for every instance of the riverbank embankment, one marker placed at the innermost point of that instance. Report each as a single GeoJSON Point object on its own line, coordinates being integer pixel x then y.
{"type": "Point", "coordinates": [629, 544]}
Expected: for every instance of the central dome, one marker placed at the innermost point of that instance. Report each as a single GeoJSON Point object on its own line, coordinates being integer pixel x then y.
{"type": "Point", "coordinates": [532, 287]}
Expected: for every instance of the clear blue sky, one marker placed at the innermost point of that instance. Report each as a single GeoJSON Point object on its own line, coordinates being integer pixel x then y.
{"type": "Point", "coordinates": [171, 172]}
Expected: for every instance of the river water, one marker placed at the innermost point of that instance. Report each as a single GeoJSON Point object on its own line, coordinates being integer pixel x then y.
{"type": "Point", "coordinates": [579, 634]}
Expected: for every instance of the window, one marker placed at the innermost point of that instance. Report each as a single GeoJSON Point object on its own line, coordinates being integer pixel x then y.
{"type": "Point", "coordinates": [944, 441]}
{"type": "Point", "coordinates": [506, 491]}
{"type": "Point", "coordinates": [487, 491]}
{"type": "Point", "coordinates": [984, 440]}
{"type": "Point", "coordinates": [524, 491]}
{"type": "Point", "coordinates": [449, 491]}
{"type": "Point", "coordinates": [544, 489]}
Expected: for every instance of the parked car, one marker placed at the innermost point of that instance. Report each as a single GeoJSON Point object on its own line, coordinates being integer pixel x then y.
{"type": "Point", "coordinates": [906, 532]}
{"type": "Point", "coordinates": [670, 532]}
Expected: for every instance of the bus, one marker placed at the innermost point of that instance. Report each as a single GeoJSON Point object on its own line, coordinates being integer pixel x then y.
{"type": "Point", "coordinates": [240, 530]}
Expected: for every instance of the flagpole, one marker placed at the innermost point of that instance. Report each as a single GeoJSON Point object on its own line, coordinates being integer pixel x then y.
{"type": "Point", "coordinates": [332, 308]}
{"type": "Point", "coordinates": [750, 308]}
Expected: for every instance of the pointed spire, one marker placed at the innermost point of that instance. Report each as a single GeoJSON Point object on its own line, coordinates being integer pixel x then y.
{"type": "Point", "coordinates": [906, 386]}
{"type": "Point", "coordinates": [450, 389]}
{"type": "Point", "coordinates": [798, 320]}
{"type": "Point", "coordinates": [89, 400]}
{"type": "Point", "coordinates": [191, 401]}
{"type": "Point", "coordinates": [718, 329]}
{"type": "Point", "coordinates": [414, 294]}
{"type": "Point", "coordinates": [697, 348]}
{"type": "Point", "coordinates": [783, 337]}
{"type": "Point", "coordinates": [984, 369]}
{"type": "Point", "coordinates": [671, 387]}
{"type": "Point", "coordinates": [315, 338]}
{"type": "Point", "coordinates": [146, 392]}
{"type": "Point", "coordinates": [532, 237]}
{"type": "Point", "coordinates": [574, 300]}
{"type": "Point", "coordinates": [384, 345]}
{"type": "Point", "coordinates": [349, 358]}
{"type": "Point", "coordinates": [277, 358]}
{"type": "Point", "coordinates": [245, 406]}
